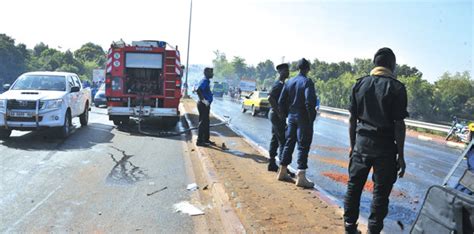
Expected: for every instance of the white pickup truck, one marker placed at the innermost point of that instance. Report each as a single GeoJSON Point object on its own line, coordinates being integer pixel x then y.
{"type": "Point", "coordinates": [38, 100]}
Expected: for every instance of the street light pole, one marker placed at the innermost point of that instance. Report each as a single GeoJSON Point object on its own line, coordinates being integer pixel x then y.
{"type": "Point", "coordinates": [187, 57]}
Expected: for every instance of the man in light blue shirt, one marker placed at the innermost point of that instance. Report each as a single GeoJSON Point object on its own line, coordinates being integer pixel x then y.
{"type": "Point", "coordinates": [204, 107]}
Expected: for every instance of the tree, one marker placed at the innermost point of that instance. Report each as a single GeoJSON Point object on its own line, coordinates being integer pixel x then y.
{"type": "Point", "coordinates": [13, 59]}
{"type": "Point", "coordinates": [404, 70]}
{"type": "Point", "coordinates": [420, 96]}
{"type": "Point", "coordinates": [453, 96]}
{"type": "Point", "coordinates": [39, 48]}
{"type": "Point", "coordinates": [265, 70]}
{"type": "Point", "coordinates": [240, 67]}
{"type": "Point", "coordinates": [91, 52]}
{"type": "Point", "coordinates": [222, 68]}
{"type": "Point", "coordinates": [362, 67]}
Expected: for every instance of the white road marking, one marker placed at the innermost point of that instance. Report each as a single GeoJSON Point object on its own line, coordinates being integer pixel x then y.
{"type": "Point", "coordinates": [32, 209]}
{"type": "Point", "coordinates": [424, 138]}
{"type": "Point", "coordinates": [456, 145]}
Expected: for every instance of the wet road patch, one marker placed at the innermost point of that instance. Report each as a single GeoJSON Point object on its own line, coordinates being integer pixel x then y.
{"type": "Point", "coordinates": [124, 171]}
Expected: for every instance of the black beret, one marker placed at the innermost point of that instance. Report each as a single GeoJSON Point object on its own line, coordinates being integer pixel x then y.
{"type": "Point", "coordinates": [385, 58]}
{"type": "Point", "coordinates": [303, 64]}
{"type": "Point", "coordinates": [282, 66]}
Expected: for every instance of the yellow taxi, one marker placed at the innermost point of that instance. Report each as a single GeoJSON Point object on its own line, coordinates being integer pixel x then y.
{"type": "Point", "coordinates": [256, 102]}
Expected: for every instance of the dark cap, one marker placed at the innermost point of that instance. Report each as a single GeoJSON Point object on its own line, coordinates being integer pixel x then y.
{"type": "Point", "coordinates": [385, 58]}
{"type": "Point", "coordinates": [208, 69]}
{"type": "Point", "coordinates": [303, 64]}
{"type": "Point", "coordinates": [282, 66]}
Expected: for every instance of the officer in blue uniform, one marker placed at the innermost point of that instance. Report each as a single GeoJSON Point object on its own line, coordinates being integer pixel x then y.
{"type": "Point", "coordinates": [277, 119]}
{"type": "Point", "coordinates": [204, 107]}
{"type": "Point", "coordinates": [378, 107]}
{"type": "Point", "coordinates": [298, 103]}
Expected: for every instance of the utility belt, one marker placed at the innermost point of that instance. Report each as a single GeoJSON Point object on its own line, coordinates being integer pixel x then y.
{"type": "Point", "coordinates": [368, 130]}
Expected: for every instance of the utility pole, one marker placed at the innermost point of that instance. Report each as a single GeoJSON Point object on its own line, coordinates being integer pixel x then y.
{"type": "Point", "coordinates": [187, 57]}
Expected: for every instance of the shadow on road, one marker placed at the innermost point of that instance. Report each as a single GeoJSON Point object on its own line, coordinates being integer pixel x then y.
{"type": "Point", "coordinates": [81, 138]}
{"type": "Point", "coordinates": [154, 128]}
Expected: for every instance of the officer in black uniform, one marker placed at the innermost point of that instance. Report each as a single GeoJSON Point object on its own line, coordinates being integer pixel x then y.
{"type": "Point", "coordinates": [378, 108]}
{"type": "Point", "coordinates": [276, 117]}
{"type": "Point", "coordinates": [298, 102]}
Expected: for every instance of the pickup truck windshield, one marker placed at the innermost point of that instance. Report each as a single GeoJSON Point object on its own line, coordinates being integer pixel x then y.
{"type": "Point", "coordinates": [40, 82]}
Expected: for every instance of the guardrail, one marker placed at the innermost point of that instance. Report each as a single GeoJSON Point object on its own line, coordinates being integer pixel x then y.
{"type": "Point", "coordinates": [408, 122]}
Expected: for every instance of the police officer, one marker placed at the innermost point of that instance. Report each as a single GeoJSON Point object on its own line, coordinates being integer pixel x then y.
{"type": "Point", "coordinates": [378, 108]}
{"type": "Point", "coordinates": [298, 102]}
{"type": "Point", "coordinates": [276, 117]}
{"type": "Point", "coordinates": [204, 106]}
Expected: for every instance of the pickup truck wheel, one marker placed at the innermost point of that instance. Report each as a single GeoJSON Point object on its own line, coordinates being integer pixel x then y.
{"type": "Point", "coordinates": [66, 128]}
{"type": "Point", "coordinates": [254, 111]}
{"type": "Point", "coordinates": [117, 122]}
{"type": "Point", "coordinates": [5, 133]}
{"type": "Point", "coordinates": [84, 117]}
{"type": "Point", "coordinates": [96, 105]}
{"type": "Point", "coordinates": [243, 109]}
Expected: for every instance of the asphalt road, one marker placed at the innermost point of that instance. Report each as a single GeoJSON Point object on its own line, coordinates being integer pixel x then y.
{"type": "Point", "coordinates": [96, 180]}
{"type": "Point", "coordinates": [427, 162]}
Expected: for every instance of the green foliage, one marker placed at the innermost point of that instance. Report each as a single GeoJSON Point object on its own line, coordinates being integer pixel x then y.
{"type": "Point", "coordinates": [13, 59]}
{"type": "Point", "coordinates": [454, 95]}
{"type": "Point", "coordinates": [336, 92]}
{"type": "Point", "coordinates": [420, 96]}
{"type": "Point", "coordinates": [91, 52]}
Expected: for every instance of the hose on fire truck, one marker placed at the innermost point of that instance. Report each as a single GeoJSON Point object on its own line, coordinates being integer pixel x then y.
{"type": "Point", "coordinates": [169, 133]}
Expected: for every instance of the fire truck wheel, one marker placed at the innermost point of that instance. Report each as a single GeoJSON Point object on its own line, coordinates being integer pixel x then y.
{"type": "Point", "coordinates": [5, 133]}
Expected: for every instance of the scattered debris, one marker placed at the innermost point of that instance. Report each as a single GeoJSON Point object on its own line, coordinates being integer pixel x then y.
{"type": "Point", "coordinates": [186, 208]}
{"type": "Point", "coordinates": [205, 187]}
{"type": "Point", "coordinates": [32, 201]}
{"type": "Point", "coordinates": [192, 187]}
{"type": "Point", "coordinates": [157, 191]}
{"type": "Point", "coordinates": [138, 229]}
{"type": "Point", "coordinates": [400, 224]}
{"type": "Point", "coordinates": [151, 183]}
{"type": "Point", "coordinates": [100, 213]}
{"type": "Point", "coordinates": [192, 150]}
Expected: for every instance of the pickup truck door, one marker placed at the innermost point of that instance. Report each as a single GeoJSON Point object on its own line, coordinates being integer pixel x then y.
{"type": "Point", "coordinates": [81, 99]}
{"type": "Point", "coordinates": [72, 97]}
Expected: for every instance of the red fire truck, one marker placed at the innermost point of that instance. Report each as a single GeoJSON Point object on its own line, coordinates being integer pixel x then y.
{"type": "Point", "coordinates": [143, 80]}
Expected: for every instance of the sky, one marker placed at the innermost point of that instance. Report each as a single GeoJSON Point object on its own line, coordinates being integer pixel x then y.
{"type": "Point", "coordinates": [435, 36]}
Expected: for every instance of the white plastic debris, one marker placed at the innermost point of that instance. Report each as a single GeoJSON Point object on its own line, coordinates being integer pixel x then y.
{"type": "Point", "coordinates": [186, 208]}
{"type": "Point", "coordinates": [192, 187]}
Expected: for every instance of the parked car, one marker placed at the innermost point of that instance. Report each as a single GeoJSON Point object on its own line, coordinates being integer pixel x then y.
{"type": "Point", "coordinates": [99, 98]}
{"type": "Point", "coordinates": [257, 102]}
{"type": "Point", "coordinates": [38, 100]}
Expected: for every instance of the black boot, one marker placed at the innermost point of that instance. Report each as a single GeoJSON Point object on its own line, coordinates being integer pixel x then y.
{"type": "Point", "coordinates": [351, 228]}
{"type": "Point", "coordinates": [272, 166]}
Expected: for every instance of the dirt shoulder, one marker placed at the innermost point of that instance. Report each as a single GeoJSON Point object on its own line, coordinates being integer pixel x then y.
{"type": "Point", "coordinates": [262, 203]}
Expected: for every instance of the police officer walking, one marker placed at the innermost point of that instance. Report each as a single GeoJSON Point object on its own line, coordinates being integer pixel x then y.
{"type": "Point", "coordinates": [378, 108]}
{"type": "Point", "coordinates": [276, 117]}
{"type": "Point", "coordinates": [298, 102]}
{"type": "Point", "coordinates": [204, 107]}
